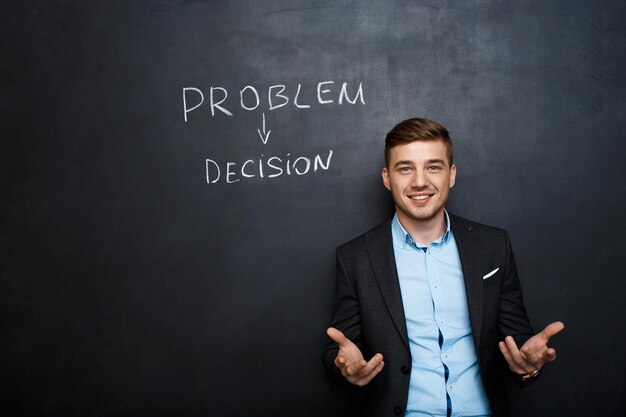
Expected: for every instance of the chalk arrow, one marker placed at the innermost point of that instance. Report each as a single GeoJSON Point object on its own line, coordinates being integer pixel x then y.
{"type": "Point", "coordinates": [265, 135]}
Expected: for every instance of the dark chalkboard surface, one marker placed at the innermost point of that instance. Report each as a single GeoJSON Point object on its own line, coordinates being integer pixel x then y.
{"type": "Point", "coordinates": [177, 174]}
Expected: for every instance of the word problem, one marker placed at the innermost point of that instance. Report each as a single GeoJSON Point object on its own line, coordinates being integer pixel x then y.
{"type": "Point", "coordinates": [275, 97]}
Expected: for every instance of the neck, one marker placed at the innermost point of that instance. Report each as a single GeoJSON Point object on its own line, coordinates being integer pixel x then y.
{"type": "Point", "coordinates": [424, 231]}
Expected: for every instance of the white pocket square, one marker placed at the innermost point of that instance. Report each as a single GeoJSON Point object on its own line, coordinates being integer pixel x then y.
{"type": "Point", "coordinates": [491, 273]}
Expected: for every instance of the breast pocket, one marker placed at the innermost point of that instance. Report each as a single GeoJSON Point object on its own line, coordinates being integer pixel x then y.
{"type": "Point", "coordinates": [493, 277]}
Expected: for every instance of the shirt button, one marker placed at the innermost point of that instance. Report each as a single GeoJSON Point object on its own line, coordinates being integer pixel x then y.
{"type": "Point", "coordinates": [434, 286]}
{"type": "Point", "coordinates": [445, 356]}
{"type": "Point", "coordinates": [449, 386]}
{"type": "Point", "coordinates": [441, 322]}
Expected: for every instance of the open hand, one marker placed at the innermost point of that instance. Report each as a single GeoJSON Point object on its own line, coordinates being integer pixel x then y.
{"type": "Point", "coordinates": [350, 360]}
{"type": "Point", "coordinates": [531, 357]}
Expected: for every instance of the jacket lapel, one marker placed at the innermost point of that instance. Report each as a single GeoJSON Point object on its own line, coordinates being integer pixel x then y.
{"type": "Point", "coordinates": [380, 250]}
{"type": "Point", "coordinates": [468, 250]}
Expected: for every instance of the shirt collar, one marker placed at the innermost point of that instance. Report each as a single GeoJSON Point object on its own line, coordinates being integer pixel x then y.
{"type": "Point", "coordinates": [403, 238]}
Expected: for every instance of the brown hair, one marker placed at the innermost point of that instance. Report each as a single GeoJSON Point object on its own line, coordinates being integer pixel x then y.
{"type": "Point", "coordinates": [415, 129]}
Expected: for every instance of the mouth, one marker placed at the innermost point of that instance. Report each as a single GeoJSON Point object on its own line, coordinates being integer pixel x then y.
{"type": "Point", "coordinates": [420, 198]}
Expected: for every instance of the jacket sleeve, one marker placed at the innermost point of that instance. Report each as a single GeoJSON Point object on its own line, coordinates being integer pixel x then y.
{"type": "Point", "coordinates": [513, 318]}
{"type": "Point", "coordinates": [346, 318]}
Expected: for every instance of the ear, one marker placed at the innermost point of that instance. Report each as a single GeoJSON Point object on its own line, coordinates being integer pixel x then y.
{"type": "Point", "coordinates": [385, 175]}
{"type": "Point", "coordinates": [452, 175]}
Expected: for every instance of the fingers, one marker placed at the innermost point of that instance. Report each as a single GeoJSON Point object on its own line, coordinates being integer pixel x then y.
{"type": "Point", "coordinates": [552, 329]}
{"type": "Point", "coordinates": [360, 372]}
{"type": "Point", "coordinates": [508, 357]}
{"type": "Point", "coordinates": [355, 368]}
{"type": "Point", "coordinates": [340, 362]}
{"type": "Point", "coordinates": [518, 362]}
{"type": "Point", "coordinates": [550, 355]}
{"type": "Point", "coordinates": [514, 351]}
{"type": "Point", "coordinates": [529, 353]}
{"type": "Point", "coordinates": [350, 361]}
{"type": "Point", "coordinates": [371, 365]}
{"type": "Point", "coordinates": [337, 336]}
{"type": "Point", "coordinates": [533, 354]}
{"type": "Point", "coordinates": [348, 367]}
{"type": "Point", "coordinates": [368, 378]}
{"type": "Point", "coordinates": [536, 349]}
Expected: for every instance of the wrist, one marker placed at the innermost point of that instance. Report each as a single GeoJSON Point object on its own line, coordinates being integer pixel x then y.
{"type": "Point", "coordinates": [530, 376]}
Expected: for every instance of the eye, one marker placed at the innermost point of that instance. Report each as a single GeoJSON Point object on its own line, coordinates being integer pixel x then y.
{"type": "Point", "coordinates": [434, 168]}
{"type": "Point", "coordinates": [405, 169]}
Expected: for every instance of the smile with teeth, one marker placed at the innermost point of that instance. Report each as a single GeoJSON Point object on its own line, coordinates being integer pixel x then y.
{"type": "Point", "coordinates": [420, 197]}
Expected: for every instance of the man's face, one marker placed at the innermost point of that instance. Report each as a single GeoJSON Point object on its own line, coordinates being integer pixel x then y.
{"type": "Point", "coordinates": [419, 177]}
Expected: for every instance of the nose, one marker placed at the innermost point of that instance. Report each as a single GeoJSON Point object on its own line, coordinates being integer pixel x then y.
{"type": "Point", "coordinates": [419, 179]}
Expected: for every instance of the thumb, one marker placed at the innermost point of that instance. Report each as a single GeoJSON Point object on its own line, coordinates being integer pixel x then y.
{"type": "Point", "coordinates": [552, 329]}
{"type": "Point", "coordinates": [337, 336]}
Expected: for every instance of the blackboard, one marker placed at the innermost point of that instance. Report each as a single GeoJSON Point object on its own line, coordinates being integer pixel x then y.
{"type": "Point", "coordinates": [135, 281]}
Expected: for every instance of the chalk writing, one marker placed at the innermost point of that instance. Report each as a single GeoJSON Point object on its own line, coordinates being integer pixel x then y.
{"type": "Point", "coordinates": [265, 167]}
{"type": "Point", "coordinates": [250, 99]}
{"type": "Point", "coordinates": [266, 134]}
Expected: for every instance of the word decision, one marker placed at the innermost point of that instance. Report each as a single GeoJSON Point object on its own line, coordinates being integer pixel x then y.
{"type": "Point", "coordinates": [271, 167]}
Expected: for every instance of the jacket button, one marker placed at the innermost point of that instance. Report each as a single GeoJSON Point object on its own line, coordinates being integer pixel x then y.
{"type": "Point", "coordinates": [405, 369]}
{"type": "Point", "coordinates": [397, 410]}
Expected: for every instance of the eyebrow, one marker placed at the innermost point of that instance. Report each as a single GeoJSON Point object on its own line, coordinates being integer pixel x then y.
{"type": "Point", "coordinates": [403, 163]}
{"type": "Point", "coordinates": [430, 161]}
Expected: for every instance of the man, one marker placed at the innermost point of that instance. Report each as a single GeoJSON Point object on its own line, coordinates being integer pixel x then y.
{"type": "Point", "coordinates": [432, 299]}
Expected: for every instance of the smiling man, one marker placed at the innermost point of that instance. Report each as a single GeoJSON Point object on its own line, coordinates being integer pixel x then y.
{"type": "Point", "coordinates": [428, 314]}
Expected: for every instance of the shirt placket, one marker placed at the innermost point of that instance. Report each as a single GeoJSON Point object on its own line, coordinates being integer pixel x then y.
{"type": "Point", "coordinates": [439, 310]}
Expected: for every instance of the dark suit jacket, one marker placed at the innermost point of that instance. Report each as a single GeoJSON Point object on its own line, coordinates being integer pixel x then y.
{"type": "Point", "coordinates": [368, 310]}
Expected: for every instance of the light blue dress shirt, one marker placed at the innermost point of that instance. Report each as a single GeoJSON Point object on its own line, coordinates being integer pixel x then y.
{"type": "Point", "coordinates": [444, 374]}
